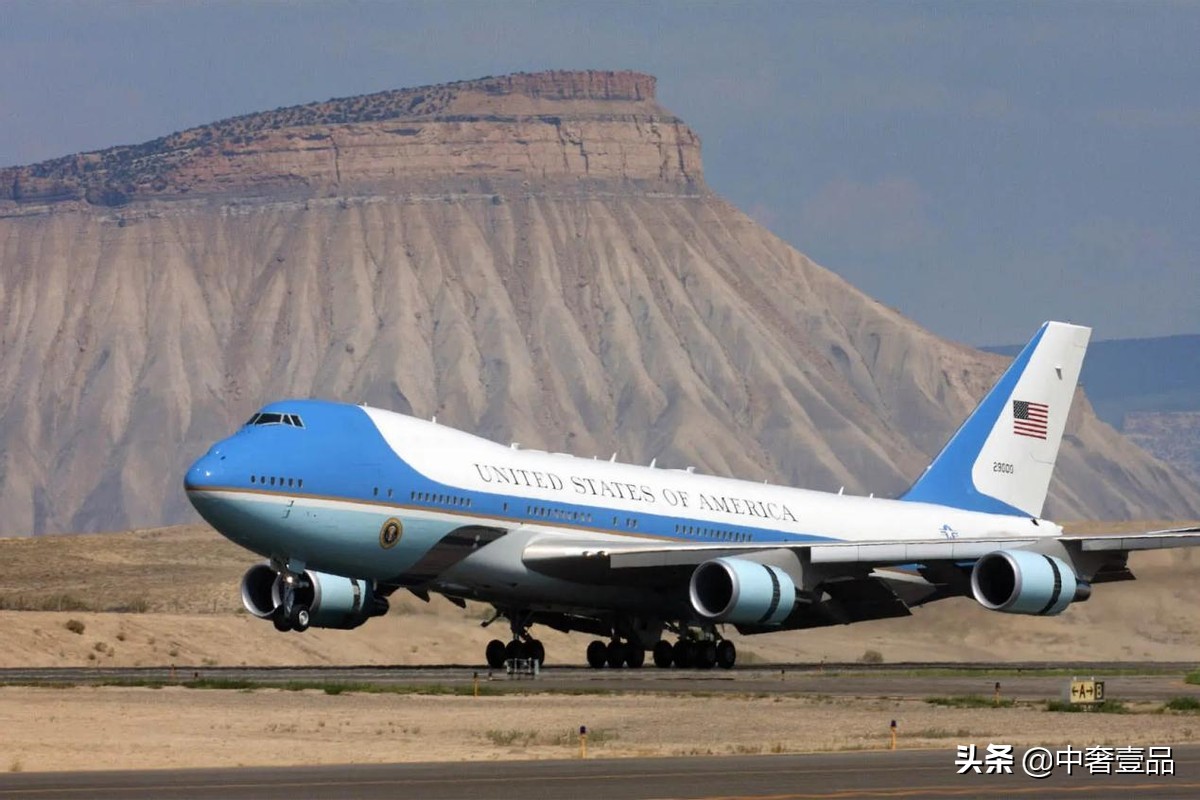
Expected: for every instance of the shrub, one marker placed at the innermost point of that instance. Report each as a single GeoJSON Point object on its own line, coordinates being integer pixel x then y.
{"type": "Point", "coordinates": [74, 626]}
{"type": "Point", "coordinates": [871, 657]}
{"type": "Point", "coordinates": [1183, 704]}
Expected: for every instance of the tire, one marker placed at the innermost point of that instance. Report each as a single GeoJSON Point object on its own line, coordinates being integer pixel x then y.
{"type": "Point", "coordinates": [537, 651]}
{"type": "Point", "coordinates": [681, 654]}
{"type": "Point", "coordinates": [616, 654]}
{"type": "Point", "coordinates": [726, 654]}
{"type": "Point", "coordinates": [635, 656]}
{"type": "Point", "coordinates": [514, 650]}
{"type": "Point", "coordinates": [597, 654]}
{"type": "Point", "coordinates": [301, 618]}
{"type": "Point", "coordinates": [495, 654]}
{"type": "Point", "coordinates": [280, 621]}
{"type": "Point", "coordinates": [705, 655]}
{"type": "Point", "coordinates": [664, 654]}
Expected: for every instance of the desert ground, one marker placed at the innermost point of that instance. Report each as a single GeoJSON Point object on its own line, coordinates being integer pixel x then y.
{"type": "Point", "coordinates": [133, 728]}
{"type": "Point", "coordinates": [170, 596]}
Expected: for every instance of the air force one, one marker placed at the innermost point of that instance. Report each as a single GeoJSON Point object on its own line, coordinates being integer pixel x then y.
{"type": "Point", "coordinates": [349, 504]}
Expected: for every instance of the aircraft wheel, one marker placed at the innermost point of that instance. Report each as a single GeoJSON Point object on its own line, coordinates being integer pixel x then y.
{"type": "Point", "coordinates": [664, 654]}
{"type": "Point", "coordinates": [726, 654]}
{"type": "Point", "coordinates": [705, 655]}
{"type": "Point", "coordinates": [537, 651]}
{"type": "Point", "coordinates": [681, 654]}
{"type": "Point", "coordinates": [280, 621]}
{"type": "Point", "coordinates": [597, 654]}
{"type": "Point", "coordinates": [301, 618]}
{"type": "Point", "coordinates": [495, 654]}
{"type": "Point", "coordinates": [635, 656]}
{"type": "Point", "coordinates": [514, 650]}
{"type": "Point", "coordinates": [616, 654]}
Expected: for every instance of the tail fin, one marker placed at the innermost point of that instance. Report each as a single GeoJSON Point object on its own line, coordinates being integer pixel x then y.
{"type": "Point", "coordinates": [1002, 457]}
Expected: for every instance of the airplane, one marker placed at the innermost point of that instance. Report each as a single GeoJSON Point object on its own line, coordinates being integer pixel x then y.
{"type": "Point", "coordinates": [349, 504]}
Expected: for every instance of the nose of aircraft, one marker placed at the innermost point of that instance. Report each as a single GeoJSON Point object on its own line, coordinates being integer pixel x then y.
{"type": "Point", "coordinates": [205, 471]}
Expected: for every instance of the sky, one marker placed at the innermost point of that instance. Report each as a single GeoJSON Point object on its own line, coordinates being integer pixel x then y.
{"type": "Point", "coordinates": [980, 167]}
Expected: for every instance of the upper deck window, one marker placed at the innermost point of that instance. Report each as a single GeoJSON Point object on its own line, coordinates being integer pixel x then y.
{"type": "Point", "coordinates": [273, 418]}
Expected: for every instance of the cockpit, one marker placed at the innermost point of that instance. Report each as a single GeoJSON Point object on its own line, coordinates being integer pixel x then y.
{"type": "Point", "coordinates": [275, 418]}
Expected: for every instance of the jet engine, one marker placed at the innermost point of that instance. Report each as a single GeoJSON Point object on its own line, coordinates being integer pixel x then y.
{"type": "Point", "coordinates": [332, 601]}
{"type": "Point", "coordinates": [741, 591]}
{"type": "Point", "coordinates": [1025, 582]}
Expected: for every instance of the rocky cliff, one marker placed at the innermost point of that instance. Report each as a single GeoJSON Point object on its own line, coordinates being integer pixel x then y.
{"type": "Point", "coordinates": [533, 258]}
{"type": "Point", "coordinates": [473, 136]}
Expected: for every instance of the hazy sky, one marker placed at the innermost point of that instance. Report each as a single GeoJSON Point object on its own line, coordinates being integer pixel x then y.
{"type": "Point", "coordinates": [979, 166]}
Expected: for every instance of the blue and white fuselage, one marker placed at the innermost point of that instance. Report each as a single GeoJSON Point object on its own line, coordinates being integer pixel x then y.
{"type": "Point", "coordinates": [350, 503]}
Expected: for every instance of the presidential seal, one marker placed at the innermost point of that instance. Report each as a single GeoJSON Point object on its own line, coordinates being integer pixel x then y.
{"type": "Point", "coordinates": [390, 533]}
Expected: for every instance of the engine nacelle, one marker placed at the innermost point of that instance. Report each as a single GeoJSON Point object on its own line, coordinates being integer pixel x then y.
{"type": "Point", "coordinates": [258, 590]}
{"type": "Point", "coordinates": [741, 591]}
{"type": "Point", "coordinates": [333, 601]}
{"type": "Point", "coordinates": [1025, 582]}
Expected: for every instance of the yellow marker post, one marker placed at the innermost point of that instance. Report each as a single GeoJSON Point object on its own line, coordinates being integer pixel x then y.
{"type": "Point", "coordinates": [583, 741]}
{"type": "Point", "coordinates": [893, 734]}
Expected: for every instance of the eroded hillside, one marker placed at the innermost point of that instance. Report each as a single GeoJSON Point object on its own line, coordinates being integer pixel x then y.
{"type": "Point", "coordinates": [541, 262]}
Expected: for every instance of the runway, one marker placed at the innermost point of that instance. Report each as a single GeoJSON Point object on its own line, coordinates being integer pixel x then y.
{"type": "Point", "coordinates": [909, 774]}
{"type": "Point", "coordinates": [1031, 681]}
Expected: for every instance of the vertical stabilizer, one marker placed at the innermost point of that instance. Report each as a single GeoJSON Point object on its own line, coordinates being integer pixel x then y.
{"type": "Point", "coordinates": [1002, 457]}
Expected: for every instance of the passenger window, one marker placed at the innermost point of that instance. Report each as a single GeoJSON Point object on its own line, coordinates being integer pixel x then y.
{"type": "Point", "coordinates": [252, 479]}
{"type": "Point", "coordinates": [272, 480]}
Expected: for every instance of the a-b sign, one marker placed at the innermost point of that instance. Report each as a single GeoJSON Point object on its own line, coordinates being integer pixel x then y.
{"type": "Point", "coordinates": [1089, 691]}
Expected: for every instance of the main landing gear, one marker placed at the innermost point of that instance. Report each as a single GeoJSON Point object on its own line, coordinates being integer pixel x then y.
{"type": "Point", "coordinates": [615, 654]}
{"type": "Point", "coordinates": [498, 652]}
{"type": "Point", "coordinates": [685, 653]}
{"type": "Point", "coordinates": [695, 653]}
{"type": "Point", "coordinates": [522, 645]}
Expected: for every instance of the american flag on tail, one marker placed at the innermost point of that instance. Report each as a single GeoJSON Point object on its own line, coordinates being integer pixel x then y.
{"type": "Point", "coordinates": [1029, 419]}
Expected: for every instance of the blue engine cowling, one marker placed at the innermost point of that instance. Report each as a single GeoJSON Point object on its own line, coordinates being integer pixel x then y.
{"type": "Point", "coordinates": [1025, 582]}
{"type": "Point", "coordinates": [741, 591]}
{"type": "Point", "coordinates": [333, 601]}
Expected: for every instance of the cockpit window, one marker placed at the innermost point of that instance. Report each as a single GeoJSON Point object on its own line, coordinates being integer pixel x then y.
{"type": "Point", "coordinates": [273, 418]}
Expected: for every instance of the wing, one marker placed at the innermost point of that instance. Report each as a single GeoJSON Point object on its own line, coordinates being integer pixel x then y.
{"type": "Point", "coordinates": [842, 582]}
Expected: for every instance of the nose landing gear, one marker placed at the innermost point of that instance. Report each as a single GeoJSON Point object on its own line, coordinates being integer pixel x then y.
{"type": "Point", "coordinates": [291, 615]}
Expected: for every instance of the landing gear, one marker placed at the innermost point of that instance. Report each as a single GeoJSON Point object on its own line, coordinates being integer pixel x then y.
{"type": "Point", "coordinates": [294, 618]}
{"type": "Point", "coordinates": [664, 654]}
{"type": "Point", "coordinates": [615, 654]}
{"type": "Point", "coordinates": [300, 618]}
{"type": "Point", "coordinates": [704, 652]}
{"type": "Point", "coordinates": [521, 646]}
{"type": "Point", "coordinates": [704, 655]}
{"type": "Point", "coordinates": [635, 656]}
{"type": "Point", "coordinates": [726, 654]}
{"type": "Point", "coordinates": [495, 654]}
{"type": "Point", "coordinates": [537, 651]}
{"type": "Point", "coordinates": [597, 654]}
{"type": "Point", "coordinates": [681, 654]}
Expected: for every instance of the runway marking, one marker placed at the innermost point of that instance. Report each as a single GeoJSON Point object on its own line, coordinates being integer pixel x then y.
{"type": "Point", "coordinates": [953, 791]}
